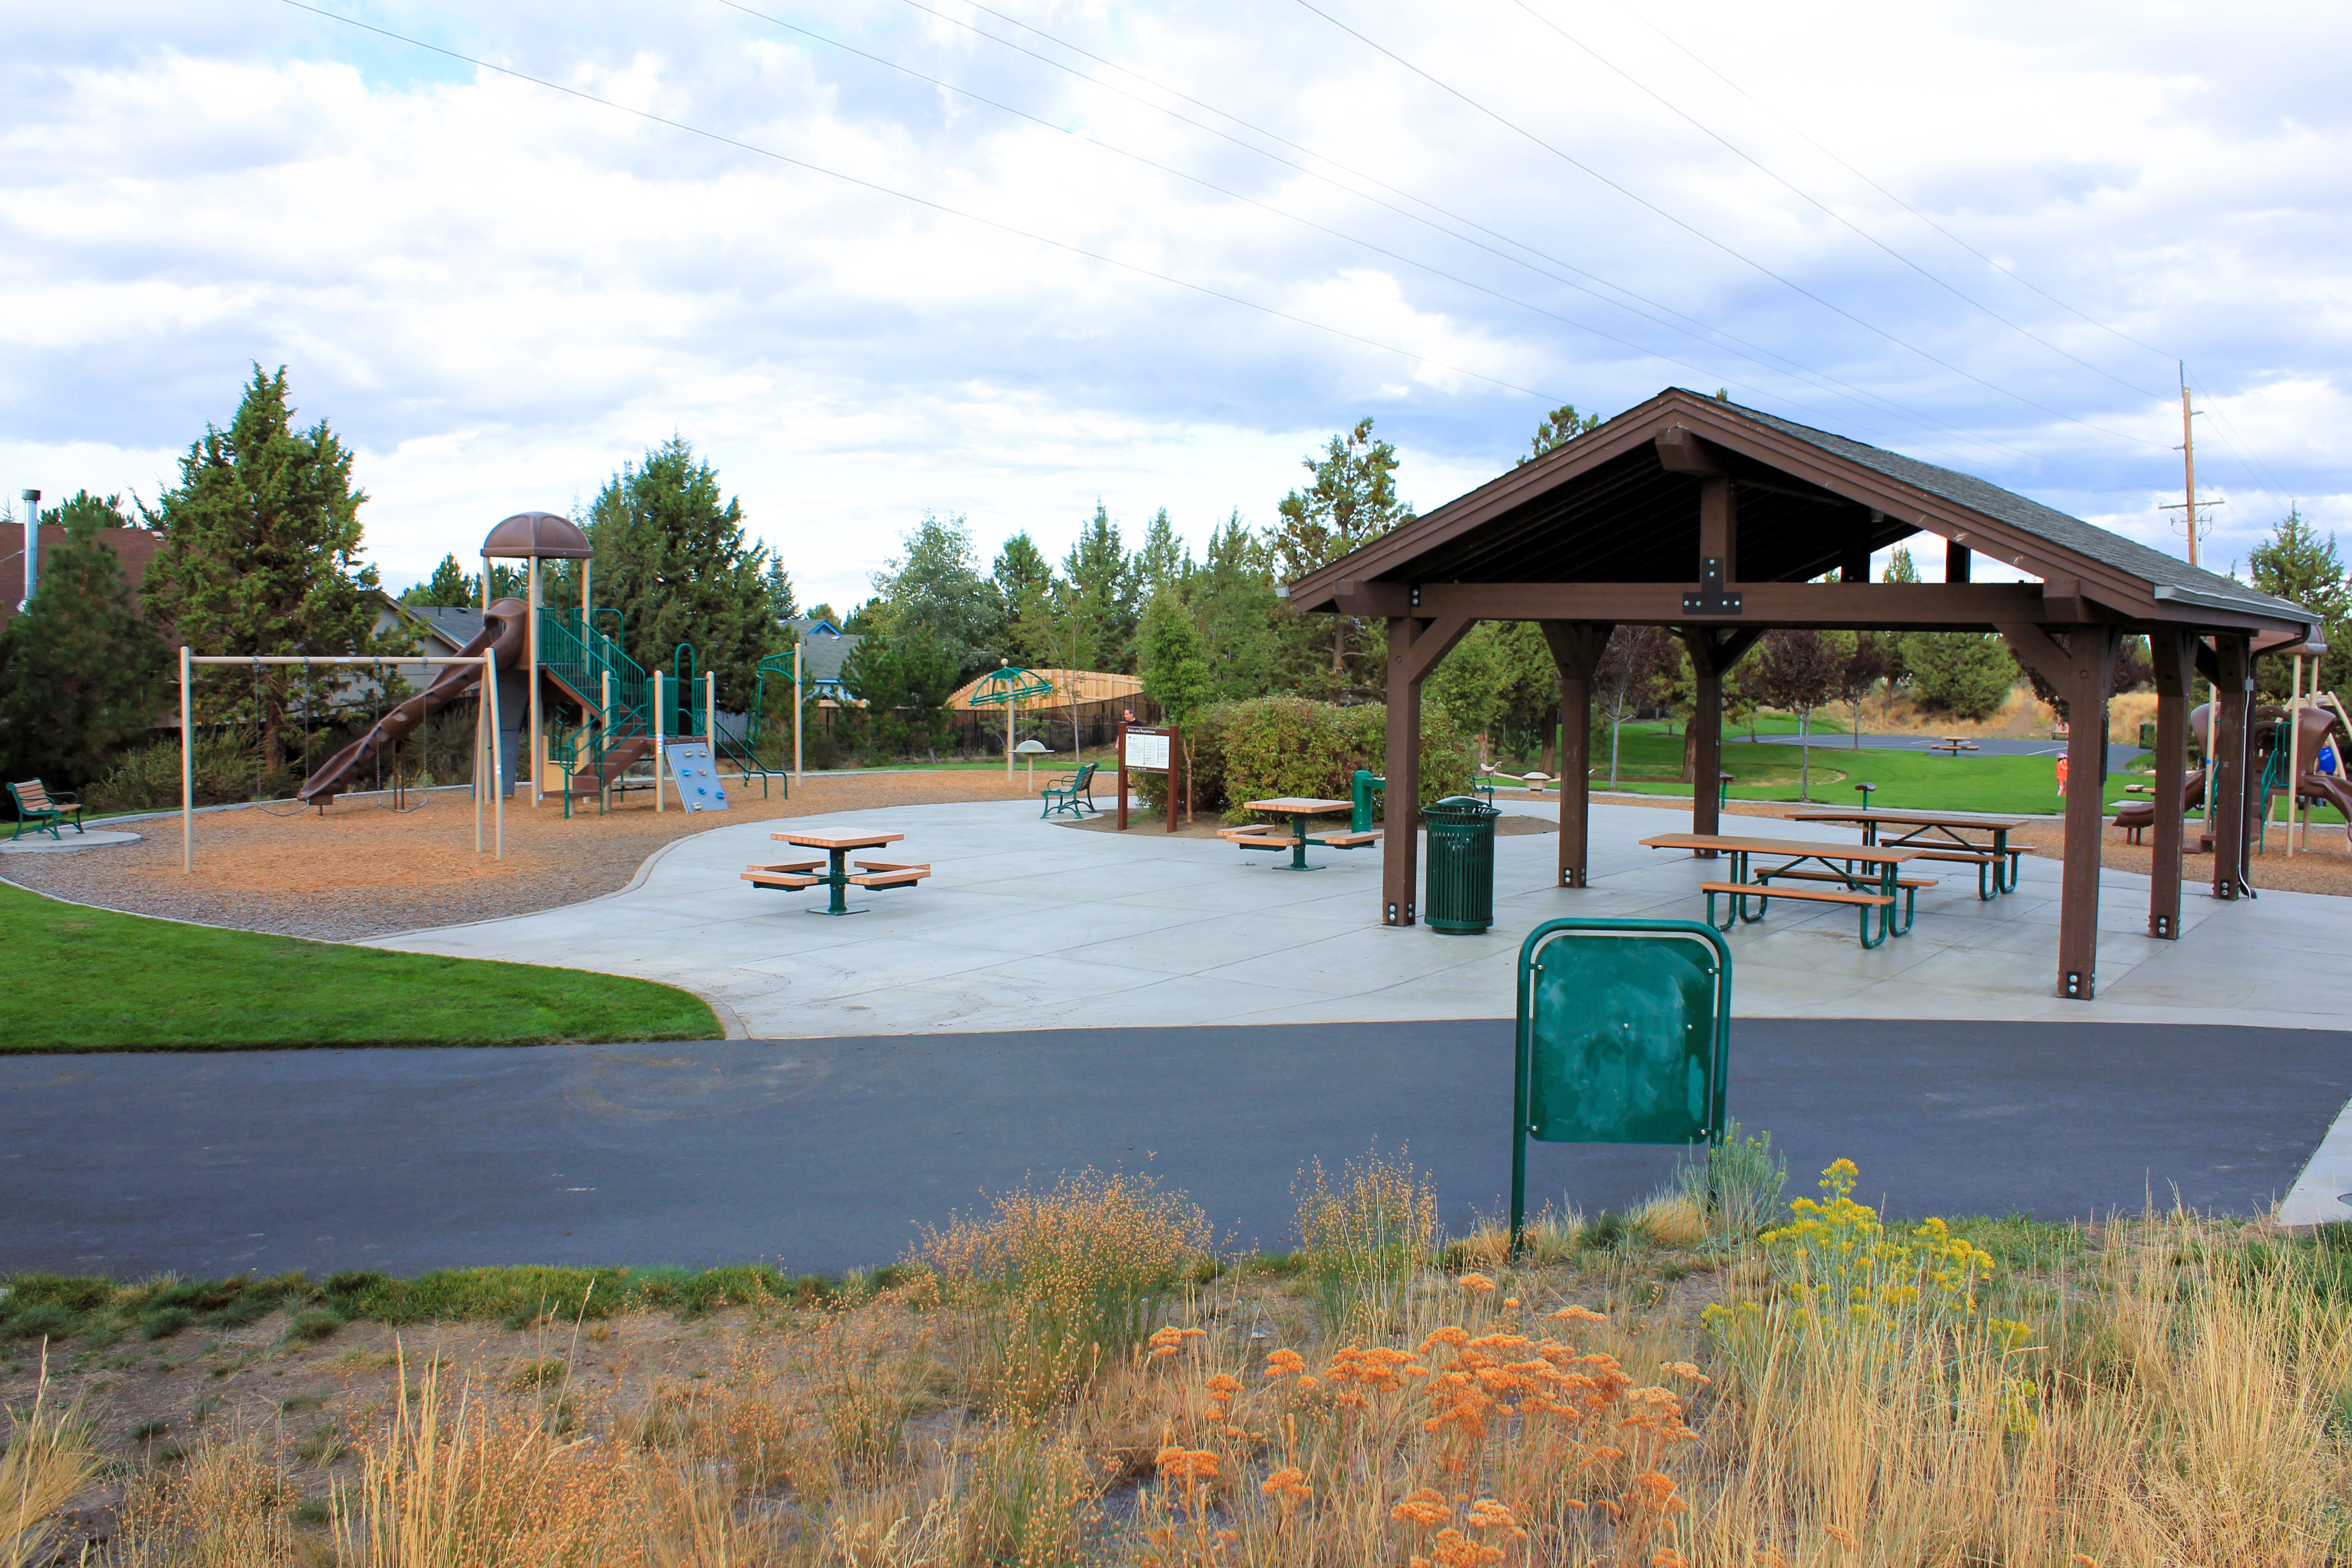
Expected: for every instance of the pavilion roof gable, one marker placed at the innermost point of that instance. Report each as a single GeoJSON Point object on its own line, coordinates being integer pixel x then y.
{"type": "Point", "coordinates": [1812, 486]}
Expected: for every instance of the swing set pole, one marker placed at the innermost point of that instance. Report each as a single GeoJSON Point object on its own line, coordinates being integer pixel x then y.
{"type": "Point", "coordinates": [188, 728]}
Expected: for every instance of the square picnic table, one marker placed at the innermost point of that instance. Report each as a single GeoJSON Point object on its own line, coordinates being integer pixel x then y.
{"type": "Point", "coordinates": [1301, 810]}
{"type": "Point", "coordinates": [837, 847]}
{"type": "Point", "coordinates": [1942, 835]}
{"type": "Point", "coordinates": [1838, 862]}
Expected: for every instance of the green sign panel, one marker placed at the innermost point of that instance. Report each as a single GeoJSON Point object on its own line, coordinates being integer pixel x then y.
{"type": "Point", "coordinates": [1624, 1037]}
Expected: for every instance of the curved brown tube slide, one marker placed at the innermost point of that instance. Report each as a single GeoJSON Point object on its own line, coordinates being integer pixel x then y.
{"type": "Point", "coordinates": [504, 634]}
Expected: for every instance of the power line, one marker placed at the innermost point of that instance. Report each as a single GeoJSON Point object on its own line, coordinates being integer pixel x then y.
{"type": "Point", "coordinates": [879, 189]}
{"type": "Point", "coordinates": [1890, 195]}
{"type": "Point", "coordinates": [1210, 185]}
{"type": "Point", "coordinates": [1820, 205]}
{"type": "Point", "coordinates": [1709, 239]}
{"type": "Point", "coordinates": [1755, 353]}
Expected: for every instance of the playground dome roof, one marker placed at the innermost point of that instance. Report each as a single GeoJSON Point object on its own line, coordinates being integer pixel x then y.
{"type": "Point", "coordinates": [537, 534]}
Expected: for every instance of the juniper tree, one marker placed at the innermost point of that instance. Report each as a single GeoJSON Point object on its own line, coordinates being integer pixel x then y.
{"type": "Point", "coordinates": [1352, 501]}
{"type": "Point", "coordinates": [675, 561]}
{"type": "Point", "coordinates": [81, 672]}
{"type": "Point", "coordinates": [261, 555]}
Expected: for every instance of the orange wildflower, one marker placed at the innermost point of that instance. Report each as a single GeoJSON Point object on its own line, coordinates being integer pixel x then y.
{"type": "Point", "coordinates": [1686, 1369]}
{"type": "Point", "coordinates": [1487, 1513]}
{"type": "Point", "coordinates": [1511, 1301]}
{"type": "Point", "coordinates": [1456, 1550]}
{"type": "Point", "coordinates": [1477, 1284]}
{"type": "Point", "coordinates": [1289, 1485]}
{"type": "Point", "coordinates": [1188, 1464]}
{"type": "Point", "coordinates": [1667, 1557]}
{"type": "Point", "coordinates": [1424, 1508]}
{"type": "Point", "coordinates": [1285, 1363]}
{"type": "Point", "coordinates": [1576, 1314]}
{"type": "Point", "coordinates": [1167, 1342]}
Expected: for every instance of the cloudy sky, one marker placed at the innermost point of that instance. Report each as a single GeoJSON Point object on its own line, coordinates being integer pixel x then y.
{"type": "Point", "coordinates": [881, 258]}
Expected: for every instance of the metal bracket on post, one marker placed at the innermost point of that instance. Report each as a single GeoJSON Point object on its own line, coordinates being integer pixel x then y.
{"type": "Point", "coordinates": [2078, 987]}
{"type": "Point", "coordinates": [1712, 599]}
{"type": "Point", "coordinates": [2161, 926]}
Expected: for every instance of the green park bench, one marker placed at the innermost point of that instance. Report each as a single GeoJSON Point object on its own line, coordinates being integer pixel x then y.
{"type": "Point", "coordinates": [1073, 792]}
{"type": "Point", "coordinates": [41, 810]}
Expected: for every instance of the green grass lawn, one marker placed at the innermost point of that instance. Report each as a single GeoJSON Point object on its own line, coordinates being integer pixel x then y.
{"type": "Point", "coordinates": [77, 979]}
{"type": "Point", "coordinates": [1649, 762]}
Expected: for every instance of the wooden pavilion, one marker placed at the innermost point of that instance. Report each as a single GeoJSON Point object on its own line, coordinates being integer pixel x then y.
{"type": "Point", "coordinates": [1721, 522]}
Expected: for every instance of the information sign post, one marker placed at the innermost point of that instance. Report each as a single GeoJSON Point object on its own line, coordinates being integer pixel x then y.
{"type": "Point", "coordinates": [1151, 749]}
{"type": "Point", "coordinates": [1624, 1037]}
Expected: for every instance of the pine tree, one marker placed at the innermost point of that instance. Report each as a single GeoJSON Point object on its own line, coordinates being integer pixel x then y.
{"type": "Point", "coordinates": [2297, 564]}
{"type": "Point", "coordinates": [1023, 583]}
{"type": "Point", "coordinates": [1561, 427]}
{"type": "Point", "coordinates": [783, 606]}
{"type": "Point", "coordinates": [1163, 561]}
{"type": "Point", "coordinates": [1099, 596]}
{"type": "Point", "coordinates": [1232, 600]}
{"type": "Point", "coordinates": [676, 563]}
{"type": "Point", "coordinates": [451, 586]}
{"type": "Point", "coordinates": [261, 555]}
{"type": "Point", "coordinates": [81, 672]}
{"type": "Point", "coordinates": [1352, 501]}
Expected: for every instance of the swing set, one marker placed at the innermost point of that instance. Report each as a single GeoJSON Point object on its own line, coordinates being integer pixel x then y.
{"type": "Point", "coordinates": [488, 781]}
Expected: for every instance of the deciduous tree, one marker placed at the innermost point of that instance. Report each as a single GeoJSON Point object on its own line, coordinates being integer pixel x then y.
{"type": "Point", "coordinates": [1637, 661]}
{"type": "Point", "coordinates": [934, 588]}
{"type": "Point", "coordinates": [1175, 669]}
{"type": "Point", "coordinates": [1796, 671]}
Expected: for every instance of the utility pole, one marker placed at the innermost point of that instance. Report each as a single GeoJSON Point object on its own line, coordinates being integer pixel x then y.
{"type": "Point", "coordinates": [2187, 507]}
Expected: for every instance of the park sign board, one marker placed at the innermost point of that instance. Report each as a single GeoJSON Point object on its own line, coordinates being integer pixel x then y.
{"type": "Point", "coordinates": [1150, 749]}
{"type": "Point", "coordinates": [1624, 1037]}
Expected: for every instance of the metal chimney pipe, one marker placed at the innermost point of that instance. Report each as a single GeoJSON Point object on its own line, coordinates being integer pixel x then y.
{"type": "Point", "coordinates": [32, 499]}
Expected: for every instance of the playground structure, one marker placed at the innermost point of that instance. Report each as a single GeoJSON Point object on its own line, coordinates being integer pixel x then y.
{"type": "Point", "coordinates": [588, 713]}
{"type": "Point", "coordinates": [2285, 748]}
{"type": "Point", "coordinates": [595, 713]}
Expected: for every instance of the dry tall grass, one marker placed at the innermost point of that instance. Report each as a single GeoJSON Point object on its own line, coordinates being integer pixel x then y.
{"type": "Point", "coordinates": [2163, 1390]}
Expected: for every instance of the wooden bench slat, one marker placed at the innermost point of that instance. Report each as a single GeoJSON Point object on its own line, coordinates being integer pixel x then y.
{"type": "Point", "coordinates": [781, 879]}
{"type": "Point", "coordinates": [888, 879]}
{"type": "Point", "coordinates": [1815, 895]}
{"type": "Point", "coordinates": [1349, 840]}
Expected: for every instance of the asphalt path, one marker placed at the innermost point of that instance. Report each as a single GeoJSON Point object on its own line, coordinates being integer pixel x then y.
{"type": "Point", "coordinates": [821, 1156]}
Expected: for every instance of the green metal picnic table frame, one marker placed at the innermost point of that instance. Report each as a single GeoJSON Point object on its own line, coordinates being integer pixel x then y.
{"type": "Point", "coordinates": [1837, 860]}
{"type": "Point", "coordinates": [1922, 832]}
{"type": "Point", "coordinates": [1301, 810]}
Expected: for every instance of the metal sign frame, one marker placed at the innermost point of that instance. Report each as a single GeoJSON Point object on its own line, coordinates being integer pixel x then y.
{"type": "Point", "coordinates": [1559, 939]}
{"type": "Point", "coordinates": [1174, 737]}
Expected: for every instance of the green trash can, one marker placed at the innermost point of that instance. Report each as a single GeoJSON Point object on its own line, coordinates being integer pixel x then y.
{"type": "Point", "coordinates": [1459, 897]}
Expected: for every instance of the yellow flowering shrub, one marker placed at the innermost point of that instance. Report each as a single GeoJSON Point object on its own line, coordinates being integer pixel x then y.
{"type": "Point", "coordinates": [1838, 1257]}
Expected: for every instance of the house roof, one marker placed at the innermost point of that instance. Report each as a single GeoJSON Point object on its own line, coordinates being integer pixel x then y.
{"type": "Point", "coordinates": [1605, 507]}
{"type": "Point", "coordinates": [455, 625]}
{"type": "Point", "coordinates": [135, 548]}
{"type": "Point", "coordinates": [822, 657]}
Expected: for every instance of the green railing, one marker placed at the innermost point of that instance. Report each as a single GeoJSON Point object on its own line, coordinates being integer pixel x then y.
{"type": "Point", "coordinates": [614, 686]}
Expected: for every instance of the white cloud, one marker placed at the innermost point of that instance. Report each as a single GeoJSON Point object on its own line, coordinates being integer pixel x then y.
{"type": "Point", "coordinates": [499, 294]}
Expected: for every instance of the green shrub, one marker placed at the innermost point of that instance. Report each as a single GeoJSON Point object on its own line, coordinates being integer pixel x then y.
{"type": "Point", "coordinates": [162, 1322]}
{"type": "Point", "coordinates": [75, 1294]}
{"type": "Point", "coordinates": [40, 1321]}
{"type": "Point", "coordinates": [318, 1323]}
{"type": "Point", "coordinates": [147, 778]}
{"type": "Point", "coordinates": [1272, 746]}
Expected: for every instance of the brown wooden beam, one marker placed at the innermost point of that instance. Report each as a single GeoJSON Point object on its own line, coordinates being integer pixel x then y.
{"type": "Point", "coordinates": [1680, 452]}
{"type": "Point", "coordinates": [1713, 652]}
{"type": "Point", "coordinates": [1875, 607]}
{"type": "Point", "coordinates": [2093, 664]}
{"type": "Point", "coordinates": [1415, 645]}
{"type": "Point", "coordinates": [1956, 561]}
{"type": "Point", "coordinates": [2171, 653]}
{"type": "Point", "coordinates": [1854, 566]}
{"type": "Point", "coordinates": [2228, 768]}
{"type": "Point", "coordinates": [1718, 527]}
{"type": "Point", "coordinates": [1576, 649]}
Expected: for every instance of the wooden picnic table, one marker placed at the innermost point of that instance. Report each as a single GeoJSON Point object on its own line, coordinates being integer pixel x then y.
{"type": "Point", "coordinates": [837, 847]}
{"type": "Point", "coordinates": [1301, 810]}
{"type": "Point", "coordinates": [1945, 834]}
{"type": "Point", "coordinates": [1883, 884]}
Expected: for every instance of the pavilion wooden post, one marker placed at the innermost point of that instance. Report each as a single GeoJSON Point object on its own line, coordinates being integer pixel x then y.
{"type": "Point", "coordinates": [1712, 654]}
{"type": "Point", "coordinates": [2081, 670]}
{"type": "Point", "coordinates": [2233, 687]}
{"type": "Point", "coordinates": [1415, 645]}
{"type": "Point", "coordinates": [2174, 668]}
{"type": "Point", "coordinates": [1576, 648]}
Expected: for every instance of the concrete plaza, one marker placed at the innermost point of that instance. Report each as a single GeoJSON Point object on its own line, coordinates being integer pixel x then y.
{"type": "Point", "coordinates": [1029, 925]}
